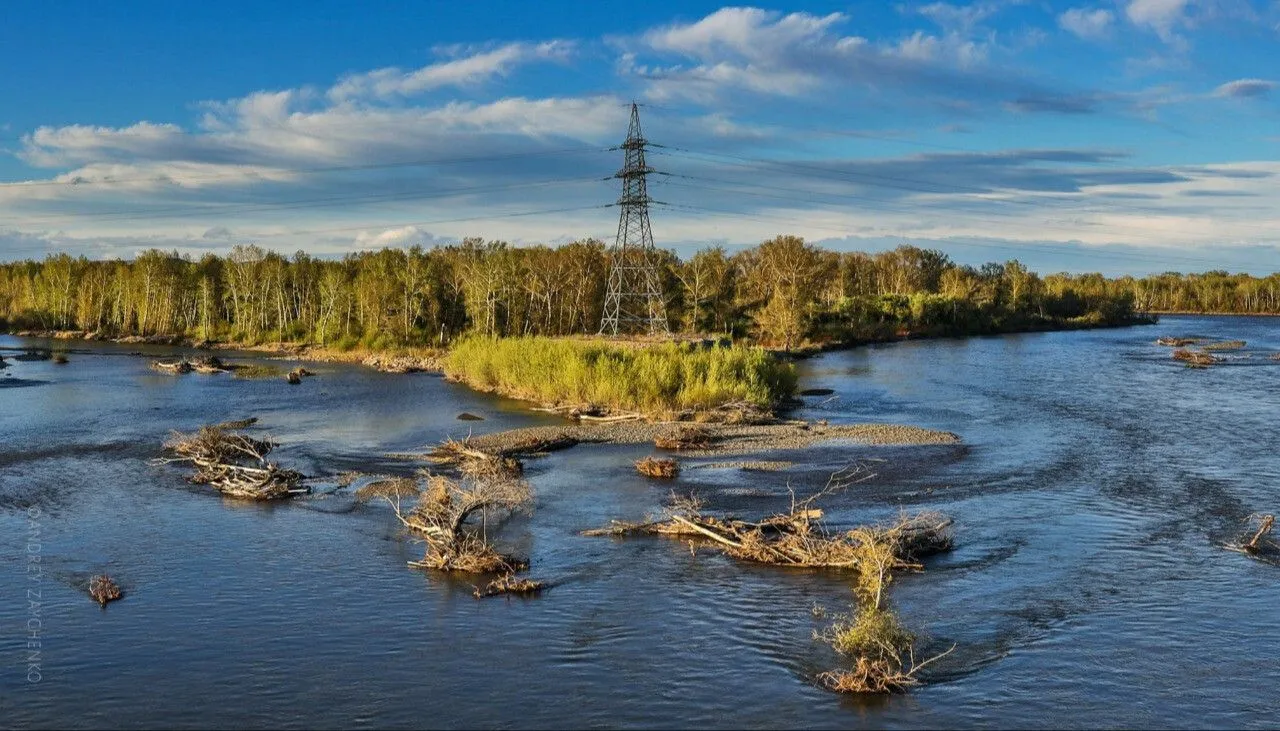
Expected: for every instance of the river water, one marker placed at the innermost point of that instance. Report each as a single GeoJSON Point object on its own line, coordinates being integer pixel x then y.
{"type": "Point", "coordinates": [1096, 482]}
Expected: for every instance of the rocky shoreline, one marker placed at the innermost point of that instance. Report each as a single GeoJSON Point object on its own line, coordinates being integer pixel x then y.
{"type": "Point", "coordinates": [726, 439]}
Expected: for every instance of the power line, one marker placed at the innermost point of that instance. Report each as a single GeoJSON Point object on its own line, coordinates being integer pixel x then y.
{"type": "Point", "coordinates": [254, 175]}
{"type": "Point", "coordinates": [230, 208]}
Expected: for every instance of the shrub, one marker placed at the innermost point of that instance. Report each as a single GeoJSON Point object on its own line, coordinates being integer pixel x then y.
{"type": "Point", "coordinates": [643, 378]}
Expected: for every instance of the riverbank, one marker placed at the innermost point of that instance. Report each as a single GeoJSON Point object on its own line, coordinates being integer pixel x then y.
{"type": "Point", "coordinates": [390, 360]}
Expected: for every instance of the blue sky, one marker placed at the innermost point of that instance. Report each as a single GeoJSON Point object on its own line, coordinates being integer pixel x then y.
{"type": "Point", "coordinates": [1123, 136]}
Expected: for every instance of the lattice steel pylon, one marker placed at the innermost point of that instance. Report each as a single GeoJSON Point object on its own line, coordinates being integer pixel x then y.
{"type": "Point", "coordinates": [633, 302]}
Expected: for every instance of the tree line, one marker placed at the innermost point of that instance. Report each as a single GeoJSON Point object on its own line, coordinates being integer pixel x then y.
{"type": "Point", "coordinates": [784, 291]}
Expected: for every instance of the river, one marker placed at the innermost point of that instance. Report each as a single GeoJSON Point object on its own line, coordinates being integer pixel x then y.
{"type": "Point", "coordinates": [1096, 482]}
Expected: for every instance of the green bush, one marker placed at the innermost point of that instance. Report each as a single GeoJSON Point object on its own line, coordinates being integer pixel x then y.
{"type": "Point", "coordinates": [645, 378]}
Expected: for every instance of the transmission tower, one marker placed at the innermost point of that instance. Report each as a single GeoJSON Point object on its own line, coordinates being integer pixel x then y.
{"type": "Point", "coordinates": [633, 302]}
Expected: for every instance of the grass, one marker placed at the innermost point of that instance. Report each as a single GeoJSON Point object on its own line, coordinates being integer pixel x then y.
{"type": "Point", "coordinates": [666, 376]}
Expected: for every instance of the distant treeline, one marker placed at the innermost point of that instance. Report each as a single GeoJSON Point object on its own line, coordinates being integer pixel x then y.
{"type": "Point", "coordinates": [784, 292]}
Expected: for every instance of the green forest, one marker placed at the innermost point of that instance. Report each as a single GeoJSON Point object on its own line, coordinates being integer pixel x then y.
{"type": "Point", "coordinates": [783, 292]}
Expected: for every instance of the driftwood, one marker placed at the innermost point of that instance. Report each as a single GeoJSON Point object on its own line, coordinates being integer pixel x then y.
{"type": "Point", "coordinates": [1176, 342]}
{"type": "Point", "coordinates": [797, 537]}
{"type": "Point", "coordinates": [475, 462]}
{"type": "Point", "coordinates": [684, 437]}
{"type": "Point", "coordinates": [1196, 358]}
{"type": "Point", "coordinates": [660, 468]}
{"type": "Point", "coordinates": [1259, 543]}
{"type": "Point", "coordinates": [103, 589]}
{"type": "Point", "coordinates": [508, 584]}
{"type": "Point", "coordinates": [504, 462]}
{"type": "Point", "coordinates": [234, 464]}
{"type": "Point", "coordinates": [171, 366]}
{"type": "Point", "coordinates": [210, 364]}
{"type": "Point", "coordinates": [441, 517]}
{"type": "Point", "coordinates": [1226, 345]}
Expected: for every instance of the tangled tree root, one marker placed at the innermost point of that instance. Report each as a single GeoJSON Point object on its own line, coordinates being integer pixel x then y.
{"type": "Point", "coordinates": [103, 589]}
{"type": "Point", "coordinates": [441, 516]}
{"type": "Point", "coordinates": [658, 468]}
{"type": "Point", "coordinates": [508, 584]}
{"type": "Point", "coordinates": [234, 464]}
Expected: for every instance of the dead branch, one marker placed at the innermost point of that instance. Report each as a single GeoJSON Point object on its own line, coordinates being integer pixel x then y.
{"type": "Point", "coordinates": [234, 464]}
{"type": "Point", "coordinates": [797, 537]}
{"type": "Point", "coordinates": [441, 516]}
{"type": "Point", "coordinates": [1257, 545]}
{"type": "Point", "coordinates": [508, 584]}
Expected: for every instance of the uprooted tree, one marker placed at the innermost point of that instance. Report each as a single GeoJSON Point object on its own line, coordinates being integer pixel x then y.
{"type": "Point", "coordinates": [445, 518]}
{"type": "Point", "coordinates": [235, 464]}
{"type": "Point", "coordinates": [872, 636]}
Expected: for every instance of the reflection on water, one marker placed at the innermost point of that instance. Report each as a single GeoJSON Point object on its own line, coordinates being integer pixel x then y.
{"type": "Point", "coordinates": [1096, 481]}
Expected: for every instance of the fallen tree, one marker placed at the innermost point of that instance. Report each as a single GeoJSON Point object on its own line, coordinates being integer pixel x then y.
{"type": "Point", "coordinates": [794, 538]}
{"type": "Point", "coordinates": [882, 650]}
{"type": "Point", "coordinates": [443, 518]}
{"type": "Point", "coordinates": [234, 464]}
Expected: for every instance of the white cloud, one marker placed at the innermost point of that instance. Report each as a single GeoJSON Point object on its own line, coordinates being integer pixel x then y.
{"type": "Point", "coordinates": [467, 70]}
{"type": "Point", "coordinates": [1245, 88]}
{"type": "Point", "coordinates": [1088, 24]}
{"type": "Point", "coordinates": [779, 54]}
{"type": "Point", "coordinates": [1163, 17]}
{"type": "Point", "coordinates": [400, 237]}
